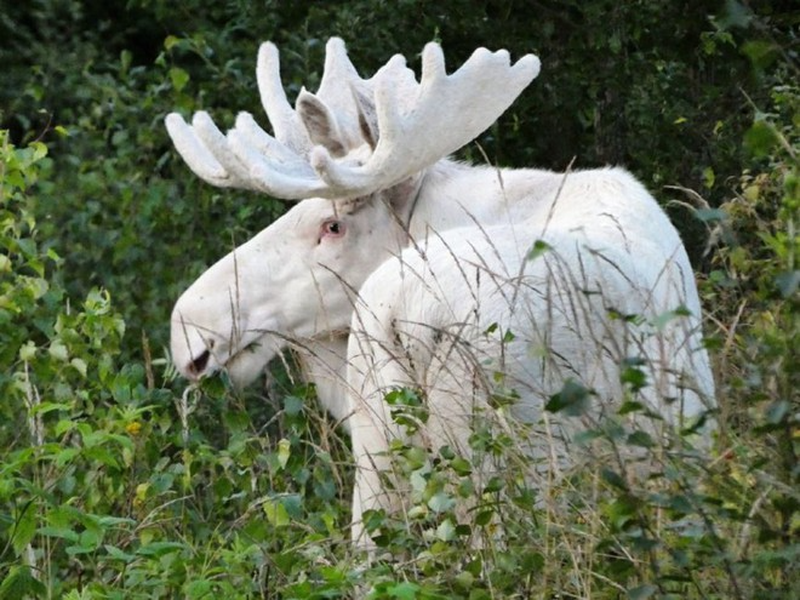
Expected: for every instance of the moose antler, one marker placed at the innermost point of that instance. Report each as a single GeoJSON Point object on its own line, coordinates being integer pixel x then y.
{"type": "Point", "coordinates": [248, 157]}
{"type": "Point", "coordinates": [443, 114]}
{"type": "Point", "coordinates": [411, 119]}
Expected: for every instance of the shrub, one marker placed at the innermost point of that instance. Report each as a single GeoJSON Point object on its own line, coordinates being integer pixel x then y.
{"type": "Point", "coordinates": [115, 482]}
{"type": "Point", "coordinates": [113, 487]}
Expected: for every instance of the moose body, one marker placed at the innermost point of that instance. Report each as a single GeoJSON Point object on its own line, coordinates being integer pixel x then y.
{"type": "Point", "coordinates": [476, 304]}
{"type": "Point", "coordinates": [408, 270]}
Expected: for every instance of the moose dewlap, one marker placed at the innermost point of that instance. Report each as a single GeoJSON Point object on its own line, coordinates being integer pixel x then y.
{"type": "Point", "coordinates": [487, 291]}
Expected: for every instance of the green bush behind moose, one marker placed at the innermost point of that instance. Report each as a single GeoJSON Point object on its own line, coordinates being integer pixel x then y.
{"type": "Point", "coordinates": [655, 86]}
{"type": "Point", "coordinates": [116, 483]}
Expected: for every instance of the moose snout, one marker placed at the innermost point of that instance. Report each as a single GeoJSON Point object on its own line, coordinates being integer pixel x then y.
{"type": "Point", "coordinates": [193, 359]}
{"type": "Point", "coordinates": [197, 356]}
{"type": "Point", "coordinates": [198, 366]}
{"type": "Point", "coordinates": [193, 350]}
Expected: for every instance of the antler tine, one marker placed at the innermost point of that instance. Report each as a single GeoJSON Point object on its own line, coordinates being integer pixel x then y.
{"type": "Point", "coordinates": [285, 122]}
{"type": "Point", "coordinates": [279, 166]}
{"type": "Point", "coordinates": [342, 88]}
{"type": "Point", "coordinates": [271, 166]}
{"type": "Point", "coordinates": [199, 158]}
{"type": "Point", "coordinates": [338, 77]}
{"type": "Point", "coordinates": [445, 113]}
{"type": "Point", "coordinates": [207, 152]}
{"type": "Point", "coordinates": [228, 161]}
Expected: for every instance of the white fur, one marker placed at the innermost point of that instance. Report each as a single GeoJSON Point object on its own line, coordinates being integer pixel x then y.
{"type": "Point", "coordinates": [430, 283]}
{"type": "Point", "coordinates": [434, 318]}
{"type": "Point", "coordinates": [464, 271]}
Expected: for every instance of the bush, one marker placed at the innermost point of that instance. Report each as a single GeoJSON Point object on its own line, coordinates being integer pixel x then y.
{"type": "Point", "coordinates": [113, 487]}
{"type": "Point", "coordinates": [115, 482]}
{"type": "Point", "coordinates": [652, 86]}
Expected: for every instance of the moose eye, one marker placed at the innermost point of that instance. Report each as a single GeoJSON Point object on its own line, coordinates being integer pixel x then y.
{"type": "Point", "coordinates": [332, 228]}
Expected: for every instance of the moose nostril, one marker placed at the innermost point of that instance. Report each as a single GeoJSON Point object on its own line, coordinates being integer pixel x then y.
{"type": "Point", "coordinates": [198, 365]}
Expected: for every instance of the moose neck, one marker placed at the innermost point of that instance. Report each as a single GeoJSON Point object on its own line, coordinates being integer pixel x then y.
{"type": "Point", "coordinates": [450, 195]}
{"type": "Point", "coordinates": [456, 195]}
{"type": "Point", "coordinates": [324, 363]}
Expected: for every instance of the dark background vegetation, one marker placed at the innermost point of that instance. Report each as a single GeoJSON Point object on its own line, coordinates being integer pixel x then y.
{"type": "Point", "coordinates": [698, 98]}
{"type": "Point", "coordinates": [660, 87]}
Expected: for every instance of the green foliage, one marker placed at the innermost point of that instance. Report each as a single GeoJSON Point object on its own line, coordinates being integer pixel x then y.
{"type": "Point", "coordinates": [111, 487]}
{"type": "Point", "coordinates": [755, 284]}
{"type": "Point", "coordinates": [115, 482]}
{"type": "Point", "coordinates": [648, 84]}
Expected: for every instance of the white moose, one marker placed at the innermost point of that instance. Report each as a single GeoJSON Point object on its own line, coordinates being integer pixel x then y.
{"type": "Point", "coordinates": [400, 268]}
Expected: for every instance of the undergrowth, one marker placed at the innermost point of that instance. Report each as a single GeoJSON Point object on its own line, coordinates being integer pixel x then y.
{"type": "Point", "coordinates": [117, 482]}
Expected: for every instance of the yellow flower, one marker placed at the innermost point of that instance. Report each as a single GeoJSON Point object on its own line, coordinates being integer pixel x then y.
{"type": "Point", "coordinates": [133, 428]}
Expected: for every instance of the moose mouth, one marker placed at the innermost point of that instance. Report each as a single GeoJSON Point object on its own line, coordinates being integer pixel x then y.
{"type": "Point", "coordinates": [198, 366]}
{"type": "Point", "coordinates": [247, 363]}
{"type": "Point", "coordinates": [242, 366]}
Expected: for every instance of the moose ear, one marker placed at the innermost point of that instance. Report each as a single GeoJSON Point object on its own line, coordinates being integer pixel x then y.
{"type": "Point", "coordinates": [367, 117]}
{"type": "Point", "coordinates": [320, 123]}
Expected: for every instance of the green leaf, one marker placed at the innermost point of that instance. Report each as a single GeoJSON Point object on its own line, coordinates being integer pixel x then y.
{"type": "Point", "coordinates": [111, 521]}
{"type": "Point", "coordinates": [39, 151]}
{"type": "Point", "coordinates": [711, 215]}
{"type": "Point", "coordinates": [441, 502]}
{"type": "Point", "coordinates": [540, 247]}
{"type": "Point", "coordinates": [484, 517]}
{"type": "Point", "coordinates": [709, 177]}
{"type": "Point", "coordinates": [404, 591]}
{"type": "Point", "coordinates": [171, 41]}
{"type": "Point", "coordinates": [66, 456]}
{"type": "Point", "coordinates": [761, 138]}
{"type": "Point", "coordinates": [179, 78]}
{"type": "Point", "coordinates": [27, 352]}
{"type": "Point", "coordinates": [403, 397]}
{"type": "Point", "coordinates": [461, 466]}
{"type": "Point", "coordinates": [761, 53]}
{"type": "Point", "coordinates": [446, 531]}
{"type": "Point", "coordinates": [79, 365]}
{"type": "Point", "coordinates": [641, 438]}
{"type": "Point", "coordinates": [292, 405]}
{"type": "Point", "coordinates": [48, 407]}
{"type": "Point", "coordinates": [117, 554]}
{"type": "Point", "coordinates": [633, 375]}
{"type": "Point", "coordinates": [495, 484]}
{"type": "Point", "coordinates": [276, 513]}
{"type": "Point", "coordinates": [630, 406]}
{"type": "Point", "coordinates": [642, 592]}
{"type": "Point", "coordinates": [25, 528]}
{"type": "Point", "coordinates": [159, 548]}
{"type": "Point", "coordinates": [80, 549]}
{"type": "Point", "coordinates": [199, 588]}
{"type": "Point", "coordinates": [680, 504]}
{"type": "Point", "coordinates": [60, 532]}
{"type": "Point", "coordinates": [284, 452]}
{"type": "Point", "coordinates": [788, 283]}
{"type": "Point", "coordinates": [572, 400]}
{"type": "Point", "coordinates": [20, 583]}
{"type": "Point", "coordinates": [614, 478]}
